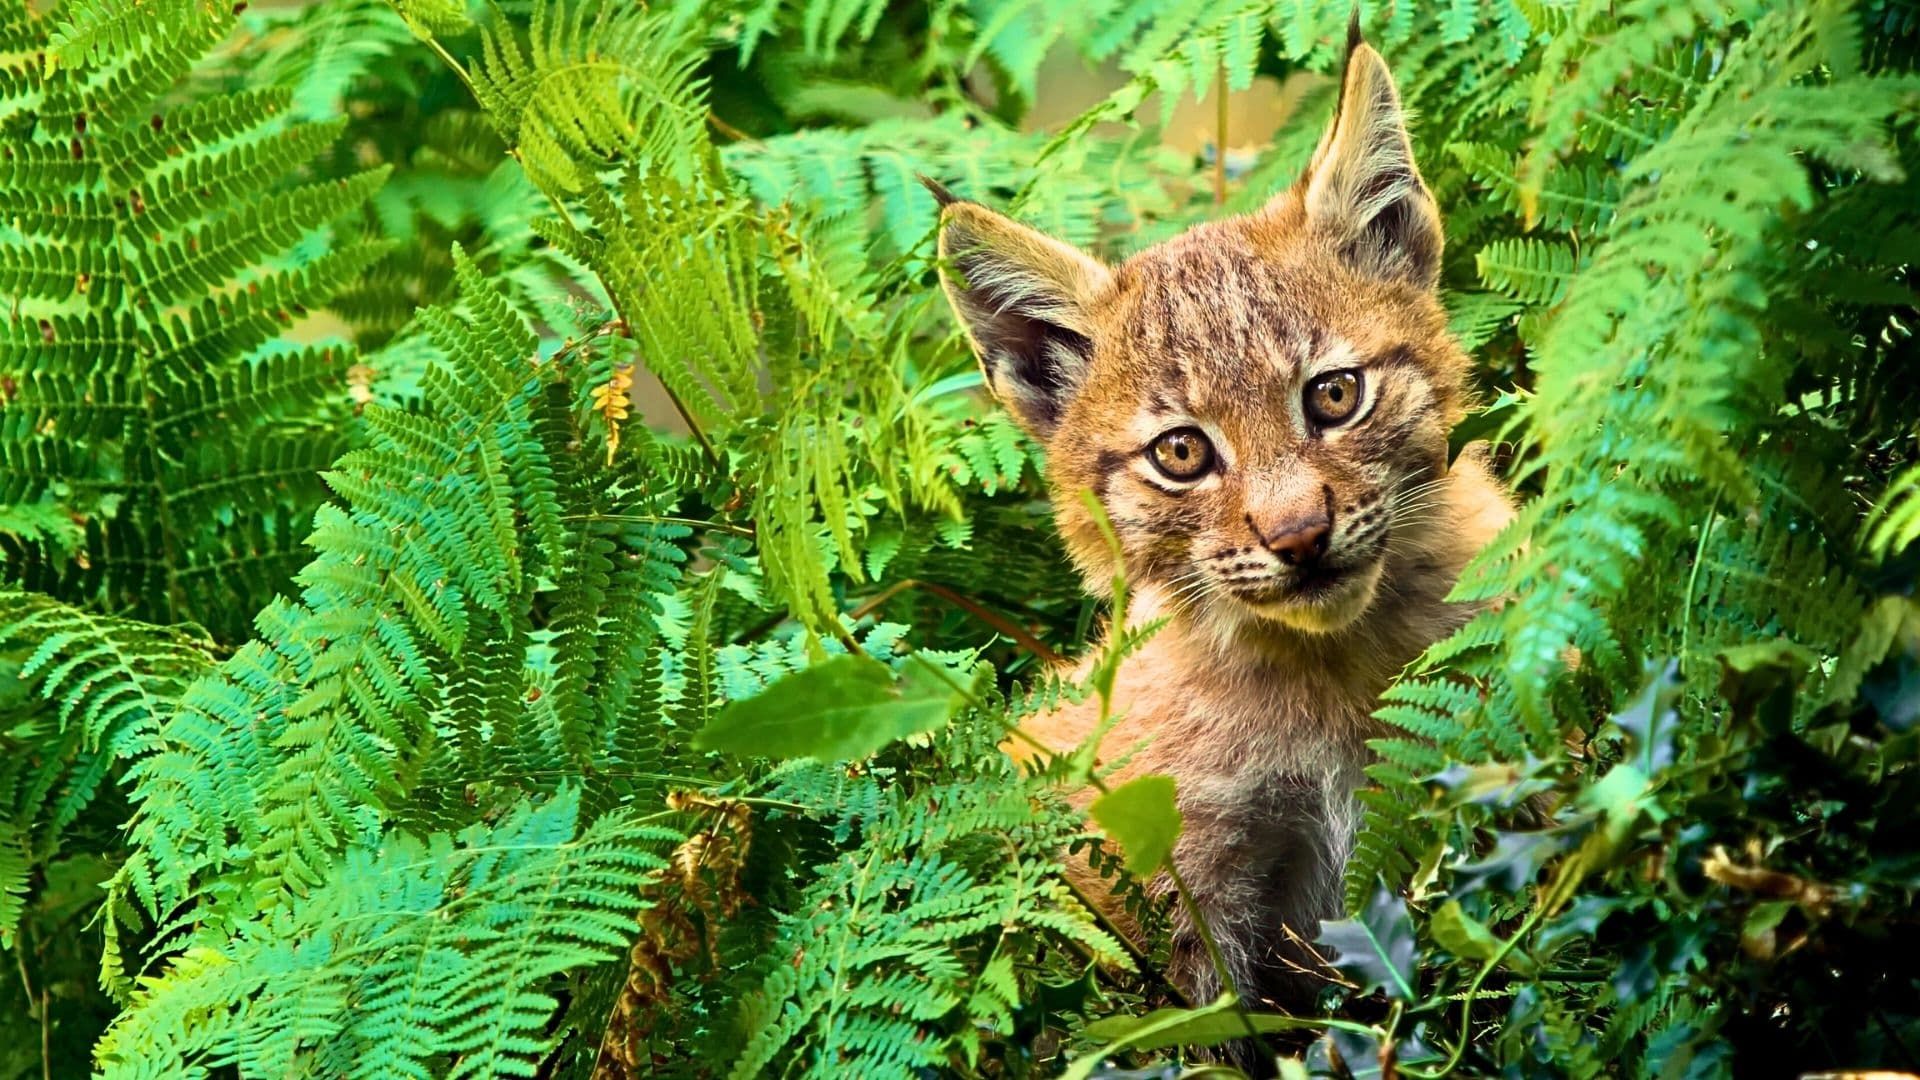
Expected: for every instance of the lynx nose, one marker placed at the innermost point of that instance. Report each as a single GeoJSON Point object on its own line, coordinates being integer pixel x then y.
{"type": "Point", "coordinates": [1300, 542]}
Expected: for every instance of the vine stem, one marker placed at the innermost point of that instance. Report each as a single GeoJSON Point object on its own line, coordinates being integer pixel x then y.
{"type": "Point", "coordinates": [1693, 576]}
{"type": "Point", "coordinates": [664, 519]}
{"type": "Point", "coordinates": [1473, 991]}
{"type": "Point", "coordinates": [1214, 955]}
{"type": "Point", "coordinates": [1212, 944]}
{"type": "Point", "coordinates": [1103, 679]}
{"type": "Point", "coordinates": [1020, 635]}
{"type": "Point", "coordinates": [1220, 134]}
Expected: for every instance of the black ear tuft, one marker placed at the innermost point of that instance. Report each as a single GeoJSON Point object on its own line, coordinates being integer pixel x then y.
{"type": "Point", "coordinates": [940, 193]}
{"type": "Point", "coordinates": [1354, 38]}
{"type": "Point", "coordinates": [1363, 190]}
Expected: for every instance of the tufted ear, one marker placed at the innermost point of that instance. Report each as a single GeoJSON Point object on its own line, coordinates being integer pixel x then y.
{"type": "Point", "coordinates": [1023, 298]}
{"type": "Point", "coordinates": [1362, 188]}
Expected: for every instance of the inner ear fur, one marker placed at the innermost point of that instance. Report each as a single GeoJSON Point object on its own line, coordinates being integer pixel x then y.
{"type": "Point", "coordinates": [1363, 189]}
{"type": "Point", "coordinates": [1024, 300]}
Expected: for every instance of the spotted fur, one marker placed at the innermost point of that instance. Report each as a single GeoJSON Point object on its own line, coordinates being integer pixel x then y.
{"type": "Point", "coordinates": [1257, 696]}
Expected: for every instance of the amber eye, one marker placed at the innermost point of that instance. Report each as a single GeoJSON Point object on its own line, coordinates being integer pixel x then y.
{"type": "Point", "coordinates": [1333, 398]}
{"type": "Point", "coordinates": [1183, 454]}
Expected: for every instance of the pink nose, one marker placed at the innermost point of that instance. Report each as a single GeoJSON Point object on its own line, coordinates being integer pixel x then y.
{"type": "Point", "coordinates": [1299, 542]}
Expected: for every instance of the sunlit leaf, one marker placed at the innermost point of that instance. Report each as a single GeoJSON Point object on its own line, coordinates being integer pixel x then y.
{"type": "Point", "coordinates": [1142, 817]}
{"type": "Point", "coordinates": [844, 708]}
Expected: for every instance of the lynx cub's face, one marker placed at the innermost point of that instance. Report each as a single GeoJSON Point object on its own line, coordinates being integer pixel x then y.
{"type": "Point", "coordinates": [1262, 404]}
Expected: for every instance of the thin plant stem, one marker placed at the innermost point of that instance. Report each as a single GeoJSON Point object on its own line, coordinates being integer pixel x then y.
{"type": "Point", "coordinates": [26, 986]}
{"type": "Point", "coordinates": [1020, 635]}
{"type": "Point", "coordinates": [679, 406]}
{"type": "Point", "coordinates": [447, 59]}
{"type": "Point", "coordinates": [664, 519]}
{"type": "Point", "coordinates": [729, 130]}
{"type": "Point", "coordinates": [1220, 134]}
{"type": "Point", "coordinates": [1693, 576]}
{"type": "Point", "coordinates": [1105, 672]}
{"type": "Point", "coordinates": [1473, 991]}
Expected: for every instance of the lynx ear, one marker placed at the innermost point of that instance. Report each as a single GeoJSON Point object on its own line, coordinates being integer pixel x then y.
{"type": "Point", "coordinates": [1023, 298]}
{"type": "Point", "coordinates": [1362, 187]}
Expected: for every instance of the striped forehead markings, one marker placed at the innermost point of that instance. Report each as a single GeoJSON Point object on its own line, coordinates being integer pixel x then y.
{"type": "Point", "coordinates": [1213, 311]}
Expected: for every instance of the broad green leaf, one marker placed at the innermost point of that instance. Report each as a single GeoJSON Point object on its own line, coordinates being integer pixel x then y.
{"type": "Point", "coordinates": [1757, 932]}
{"type": "Point", "coordinates": [1622, 795]}
{"type": "Point", "coordinates": [1376, 948]}
{"type": "Point", "coordinates": [1142, 818]}
{"type": "Point", "coordinates": [844, 708]}
{"type": "Point", "coordinates": [1493, 783]}
{"type": "Point", "coordinates": [1461, 934]}
{"type": "Point", "coordinates": [1515, 860]}
{"type": "Point", "coordinates": [1468, 938]}
{"type": "Point", "coordinates": [1652, 721]}
{"type": "Point", "coordinates": [1123, 1032]}
{"type": "Point", "coordinates": [1209, 1025]}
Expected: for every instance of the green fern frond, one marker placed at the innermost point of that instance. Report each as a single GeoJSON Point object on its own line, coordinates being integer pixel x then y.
{"type": "Point", "coordinates": [591, 86]}
{"type": "Point", "coordinates": [319, 51]}
{"type": "Point", "coordinates": [404, 569]}
{"type": "Point", "coordinates": [411, 954]}
{"type": "Point", "coordinates": [156, 263]}
{"type": "Point", "coordinates": [1570, 201]}
{"type": "Point", "coordinates": [1531, 271]}
{"type": "Point", "coordinates": [97, 31]}
{"type": "Point", "coordinates": [884, 944]}
{"type": "Point", "coordinates": [84, 692]}
{"type": "Point", "coordinates": [1680, 211]}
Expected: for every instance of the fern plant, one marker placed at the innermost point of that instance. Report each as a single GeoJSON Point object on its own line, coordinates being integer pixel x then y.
{"type": "Point", "coordinates": [90, 691]}
{"type": "Point", "coordinates": [151, 270]}
{"type": "Point", "coordinates": [900, 953]}
{"type": "Point", "coordinates": [424, 957]}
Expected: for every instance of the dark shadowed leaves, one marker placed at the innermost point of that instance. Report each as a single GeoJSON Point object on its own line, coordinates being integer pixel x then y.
{"type": "Point", "coordinates": [1581, 920]}
{"type": "Point", "coordinates": [1652, 721]}
{"type": "Point", "coordinates": [1375, 949]}
{"type": "Point", "coordinates": [1894, 692]}
{"type": "Point", "coordinates": [1360, 1055]}
{"type": "Point", "coordinates": [1759, 679]}
{"type": "Point", "coordinates": [1515, 860]}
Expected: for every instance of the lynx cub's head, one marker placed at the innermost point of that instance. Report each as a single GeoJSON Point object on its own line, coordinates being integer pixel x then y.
{"type": "Point", "coordinates": [1261, 404]}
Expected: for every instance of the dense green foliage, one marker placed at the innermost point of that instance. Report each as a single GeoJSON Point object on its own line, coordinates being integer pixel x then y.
{"type": "Point", "coordinates": [383, 698]}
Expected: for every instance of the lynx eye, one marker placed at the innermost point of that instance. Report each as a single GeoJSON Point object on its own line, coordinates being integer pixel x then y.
{"type": "Point", "coordinates": [1333, 398]}
{"type": "Point", "coordinates": [1182, 454]}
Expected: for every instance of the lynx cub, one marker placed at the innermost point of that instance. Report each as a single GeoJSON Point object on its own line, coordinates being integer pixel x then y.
{"type": "Point", "coordinates": [1262, 407]}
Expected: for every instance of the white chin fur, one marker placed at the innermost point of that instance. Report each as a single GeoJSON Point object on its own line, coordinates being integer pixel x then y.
{"type": "Point", "coordinates": [1334, 611]}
